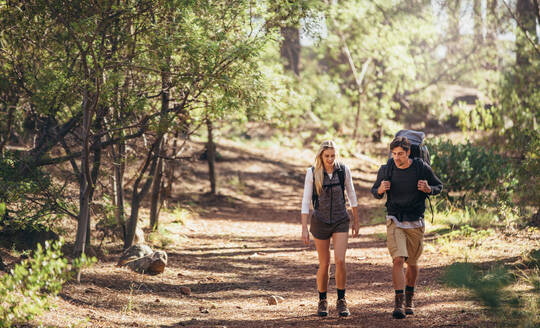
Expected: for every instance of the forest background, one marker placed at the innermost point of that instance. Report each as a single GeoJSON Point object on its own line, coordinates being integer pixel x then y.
{"type": "Point", "coordinates": [101, 103]}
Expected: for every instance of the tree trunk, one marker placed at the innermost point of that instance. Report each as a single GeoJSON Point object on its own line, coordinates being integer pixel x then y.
{"type": "Point", "coordinates": [158, 173]}
{"type": "Point", "coordinates": [491, 22]}
{"type": "Point", "coordinates": [478, 21]}
{"type": "Point", "coordinates": [119, 169]}
{"type": "Point", "coordinates": [95, 168]}
{"type": "Point", "coordinates": [9, 128]}
{"type": "Point", "coordinates": [86, 180]}
{"type": "Point", "coordinates": [137, 196]}
{"type": "Point", "coordinates": [156, 195]}
{"type": "Point", "coordinates": [526, 17]}
{"type": "Point", "coordinates": [454, 15]}
{"type": "Point", "coordinates": [211, 151]}
{"type": "Point", "coordinates": [290, 48]}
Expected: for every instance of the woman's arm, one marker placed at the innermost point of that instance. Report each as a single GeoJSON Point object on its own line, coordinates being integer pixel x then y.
{"type": "Point", "coordinates": [353, 201]}
{"type": "Point", "coordinates": [308, 192]}
{"type": "Point", "coordinates": [349, 188]}
{"type": "Point", "coordinates": [306, 201]}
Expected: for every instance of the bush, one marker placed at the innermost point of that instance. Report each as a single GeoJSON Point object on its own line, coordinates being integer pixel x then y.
{"type": "Point", "coordinates": [28, 197]}
{"type": "Point", "coordinates": [473, 176]}
{"type": "Point", "coordinates": [501, 290]}
{"type": "Point", "coordinates": [24, 292]}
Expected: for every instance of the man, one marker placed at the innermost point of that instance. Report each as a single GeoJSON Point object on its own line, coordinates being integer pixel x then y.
{"type": "Point", "coordinates": [406, 182]}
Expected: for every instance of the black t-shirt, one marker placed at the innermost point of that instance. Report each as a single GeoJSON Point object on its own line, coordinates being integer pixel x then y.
{"type": "Point", "coordinates": [404, 200]}
{"type": "Point", "coordinates": [403, 189]}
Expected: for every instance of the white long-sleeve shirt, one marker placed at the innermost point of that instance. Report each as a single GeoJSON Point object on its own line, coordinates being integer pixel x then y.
{"type": "Point", "coordinates": [308, 189]}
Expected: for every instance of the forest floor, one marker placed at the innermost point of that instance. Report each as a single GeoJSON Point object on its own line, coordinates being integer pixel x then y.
{"type": "Point", "coordinates": [235, 250]}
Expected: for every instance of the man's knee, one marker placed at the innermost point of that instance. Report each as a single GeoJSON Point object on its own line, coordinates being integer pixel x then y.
{"type": "Point", "coordinates": [412, 267]}
{"type": "Point", "coordinates": [398, 260]}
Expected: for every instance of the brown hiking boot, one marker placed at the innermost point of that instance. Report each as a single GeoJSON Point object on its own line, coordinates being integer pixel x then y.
{"type": "Point", "coordinates": [409, 303]}
{"type": "Point", "coordinates": [322, 310]}
{"type": "Point", "coordinates": [399, 312]}
{"type": "Point", "coordinates": [341, 307]}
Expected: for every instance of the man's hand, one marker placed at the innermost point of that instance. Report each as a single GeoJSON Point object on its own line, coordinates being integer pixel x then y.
{"type": "Point", "coordinates": [305, 235]}
{"type": "Point", "coordinates": [385, 185]}
{"type": "Point", "coordinates": [424, 186]}
{"type": "Point", "coordinates": [355, 227]}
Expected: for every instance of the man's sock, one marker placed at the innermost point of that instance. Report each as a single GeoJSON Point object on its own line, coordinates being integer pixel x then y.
{"type": "Point", "coordinates": [322, 296]}
{"type": "Point", "coordinates": [399, 291]}
{"type": "Point", "coordinates": [340, 294]}
{"type": "Point", "coordinates": [409, 289]}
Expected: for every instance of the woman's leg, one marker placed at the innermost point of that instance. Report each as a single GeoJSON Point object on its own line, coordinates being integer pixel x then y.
{"type": "Point", "coordinates": [323, 252]}
{"type": "Point", "coordinates": [340, 248]}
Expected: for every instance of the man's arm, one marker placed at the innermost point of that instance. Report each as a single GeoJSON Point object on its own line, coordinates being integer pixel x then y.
{"type": "Point", "coordinates": [433, 181]}
{"type": "Point", "coordinates": [376, 185]}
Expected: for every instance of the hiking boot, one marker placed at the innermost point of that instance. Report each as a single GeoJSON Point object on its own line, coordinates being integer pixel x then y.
{"type": "Point", "coordinates": [341, 307]}
{"type": "Point", "coordinates": [409, 303]}
{"type": "Point", "coordinates": [322, 310]}
{"type": "Point", "coordinates": [399, 312]}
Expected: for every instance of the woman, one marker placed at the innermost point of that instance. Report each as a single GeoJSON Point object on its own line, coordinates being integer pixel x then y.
{"type": "Point", "coordinates": [325, 186]}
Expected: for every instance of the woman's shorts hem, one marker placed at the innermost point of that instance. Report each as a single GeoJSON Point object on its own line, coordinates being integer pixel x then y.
{"type": "Point", "coordinates": [323, 231]}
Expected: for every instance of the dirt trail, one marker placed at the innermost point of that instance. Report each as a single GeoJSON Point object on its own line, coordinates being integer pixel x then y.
{"type": "Point", "coordinates": [244, 247]}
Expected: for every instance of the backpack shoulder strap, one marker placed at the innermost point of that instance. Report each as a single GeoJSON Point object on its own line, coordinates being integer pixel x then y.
{"type": "Point", "coordinates": [388, 169]}
{"type": "Point", "coordinates": [421, 174]}
{"type": "Point", "coordinates": [314, 196]}
{"type": "Point", "coordinates": [341, 175]}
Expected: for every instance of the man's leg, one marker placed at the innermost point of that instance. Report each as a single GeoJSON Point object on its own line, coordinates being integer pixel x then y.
{"type": "Point", "coordinates": [323, 253]}
{"type": "Point", "coordinates": [397, 246]}
{"type": "Point", "coordinates": [412, 274]}
{"type": "Point", "coordinates": [415, 238]}
{"type": "Point", "coordinates": [398, 276]}
{"type": "Point", "coordinates": [340, 248]}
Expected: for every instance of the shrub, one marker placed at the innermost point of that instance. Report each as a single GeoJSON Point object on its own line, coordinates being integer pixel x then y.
{"type": "Point", "coordinates": [28, 197]}
{"type": "Point", "coordinates": [25, 291]}
{"type": "Point", "coordinates": [498, 288]}
{"type": "Point", "coordinates": [473, 176]}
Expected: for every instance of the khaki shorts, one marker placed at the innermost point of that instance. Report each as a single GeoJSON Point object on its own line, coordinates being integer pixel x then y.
{"type": "Point", "coordinates": [407, 243]}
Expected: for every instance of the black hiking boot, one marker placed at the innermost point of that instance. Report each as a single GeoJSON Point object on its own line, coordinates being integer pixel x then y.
{"type": "Point", "coordinates": [399, 312]}
{"type": "Point", "coordinates": [409, 307]}
{"type": "Point", "coordinates": [322, 310]}
{"type": "Point", "coordinates": [341, 307]}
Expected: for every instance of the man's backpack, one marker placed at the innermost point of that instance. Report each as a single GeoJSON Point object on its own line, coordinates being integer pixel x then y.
{"type": "Point", "coordinates": [419, 151]}
{"type": "Point", "coordinates": [341, 175]}
{"type": "Point", "coordinates": [418, 148]}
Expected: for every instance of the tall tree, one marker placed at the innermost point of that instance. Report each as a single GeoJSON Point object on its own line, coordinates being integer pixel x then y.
{"type": "Point", "coordinates": [478, 21]}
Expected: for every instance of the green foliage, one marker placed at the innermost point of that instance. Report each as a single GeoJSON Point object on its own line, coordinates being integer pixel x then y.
{"type": "Point", "coordinates": [487, 286]}
{"type": "Point", "coordinates": [28, 197]}
{"type": "Point", "coordinates": [500, 289]}
{"type": "Point", "coordinates": [472, 234]}
{"type": "Point", "coordinates": [473, 176]}
{"type": "Point", "coordinates": [24, 292]}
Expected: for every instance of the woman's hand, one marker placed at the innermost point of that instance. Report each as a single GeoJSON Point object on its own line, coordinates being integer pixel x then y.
{"type": "Point", "coordinates": [305, 235]}
{"type": "Point", "coordinates": [355, 227]}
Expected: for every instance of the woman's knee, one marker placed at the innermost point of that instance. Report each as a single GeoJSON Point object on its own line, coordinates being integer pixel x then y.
{"type": "Point", "coordinates": [324, 265]}
{"type": "Point", "coordinates": [340, 262]}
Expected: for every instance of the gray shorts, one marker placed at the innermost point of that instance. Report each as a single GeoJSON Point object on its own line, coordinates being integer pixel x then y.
{"type": "Point", "coordinates": [322, 230]}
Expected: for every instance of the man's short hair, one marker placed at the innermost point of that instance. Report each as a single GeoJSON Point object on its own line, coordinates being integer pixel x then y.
{"type": "Point", "coordinates": [402, 142]}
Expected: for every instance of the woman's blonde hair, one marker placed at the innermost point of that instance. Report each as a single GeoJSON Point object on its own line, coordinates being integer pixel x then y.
{"type": "Point", "coordinates": [318, 171]}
